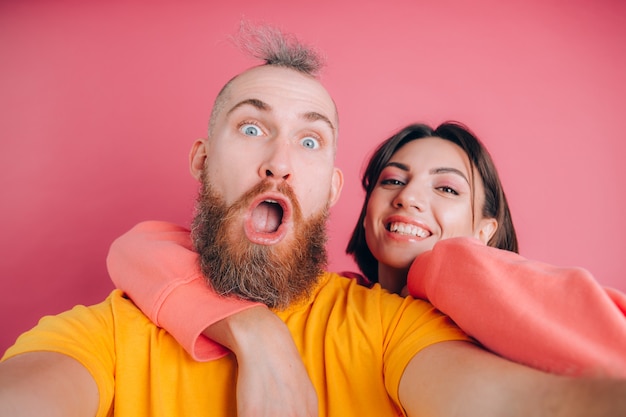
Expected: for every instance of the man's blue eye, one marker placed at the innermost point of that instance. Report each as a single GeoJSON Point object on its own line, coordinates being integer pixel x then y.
{"type": "Point", "coordinates": [250, 130]}
{"type": "Point", "coordinates": [310, 143]}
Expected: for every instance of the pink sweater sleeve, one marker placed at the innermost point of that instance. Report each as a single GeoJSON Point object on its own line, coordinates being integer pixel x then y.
{"type": "Point", "coordinates": [154, 263]}
{"type": "Point", "coordinates": [555, 319]}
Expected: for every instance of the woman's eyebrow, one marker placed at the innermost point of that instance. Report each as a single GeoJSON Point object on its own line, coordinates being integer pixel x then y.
{"type": "Point", "coordinates": [446, 170]}
{"type": "Point", "coordinates": [398, 165]}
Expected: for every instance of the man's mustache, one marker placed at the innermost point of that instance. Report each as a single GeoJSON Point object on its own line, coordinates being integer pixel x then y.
{"type": "Point", "coordinates": [266, 185]}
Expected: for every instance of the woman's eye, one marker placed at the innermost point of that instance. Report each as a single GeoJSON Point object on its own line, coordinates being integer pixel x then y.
{"type": "Point", "coordinates": [448, 190]}
{"type": "Point", "coordinates": [250, 130]}
{"type": "Point", "coordinates": [310, 143]}
{"type": "Point", "coordinates": [391, 181]}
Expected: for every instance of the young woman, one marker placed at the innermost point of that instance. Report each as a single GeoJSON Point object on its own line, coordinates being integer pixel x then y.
{"type": "Point", "coordinates": [435, 218]}
{"type": "Point", "coordinates": [435, 215]}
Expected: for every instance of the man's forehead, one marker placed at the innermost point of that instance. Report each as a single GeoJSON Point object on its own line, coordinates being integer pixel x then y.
{"type": "Point", "coordinates": [275, 85]}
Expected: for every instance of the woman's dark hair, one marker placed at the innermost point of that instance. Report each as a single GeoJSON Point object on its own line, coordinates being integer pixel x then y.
{"type": "Point", "coordinates": [495, 205]}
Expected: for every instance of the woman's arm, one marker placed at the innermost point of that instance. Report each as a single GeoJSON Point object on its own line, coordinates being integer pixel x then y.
{"type": "Point", "coordinates": [154, 263]}
{"type": "Point", "coordinates": [554, 319]}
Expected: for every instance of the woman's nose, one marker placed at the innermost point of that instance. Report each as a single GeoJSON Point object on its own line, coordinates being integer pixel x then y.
{"type": "Point", "coordinates": [410, 197]}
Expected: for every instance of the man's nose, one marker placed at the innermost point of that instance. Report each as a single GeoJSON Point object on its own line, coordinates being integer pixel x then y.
{"type": "Point", "coordinates": [277, 162]}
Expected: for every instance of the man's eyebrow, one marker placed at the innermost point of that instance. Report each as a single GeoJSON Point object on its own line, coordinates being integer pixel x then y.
{"type": "Point", "coordinates": [313, 116]}
{"type": "Point", "coordinates": [254, 102]}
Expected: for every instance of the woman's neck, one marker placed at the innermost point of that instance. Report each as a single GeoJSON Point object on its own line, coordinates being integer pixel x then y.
{"type": "Point", "coordinates": [392, 279]}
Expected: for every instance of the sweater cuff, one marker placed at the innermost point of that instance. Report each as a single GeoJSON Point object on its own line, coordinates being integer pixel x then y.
{"type": "Point", "coordinates": [418, 274]}
{"type": "Point", "coordinates": [188, 310]}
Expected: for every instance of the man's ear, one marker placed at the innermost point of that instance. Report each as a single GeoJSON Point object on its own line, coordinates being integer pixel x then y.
{"type": "Point", "coordinates": [197, 158]}
{"type": "Point", "coordinates": [486, 229]}
{"type": "Point", "coordinates": [336, 186]}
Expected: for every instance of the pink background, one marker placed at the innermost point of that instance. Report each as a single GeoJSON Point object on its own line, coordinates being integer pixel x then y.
{"type": "Point", "coordinates": [100, 102]}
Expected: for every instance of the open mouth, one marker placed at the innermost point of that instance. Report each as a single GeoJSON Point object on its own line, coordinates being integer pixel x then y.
{"type": "Point", "coordinates": [267, 219]}
{"type": "Point", "coordinates": [267, 216]}
{"type": "Point", "coordinates": [407, 229]}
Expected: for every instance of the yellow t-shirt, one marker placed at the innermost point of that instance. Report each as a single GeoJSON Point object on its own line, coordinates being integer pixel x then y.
{"type": "Point", "coordinates": [355, 343]}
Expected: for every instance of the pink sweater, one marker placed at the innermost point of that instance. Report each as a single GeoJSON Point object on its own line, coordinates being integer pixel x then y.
{"type": "Point", "coordinates": [154, 263]}
{"type": "Point", "coordinates": [555, 319]}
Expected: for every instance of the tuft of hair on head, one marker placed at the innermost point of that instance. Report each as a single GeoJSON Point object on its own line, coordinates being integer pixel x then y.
{"type": "Point", "coordinates": [274, 47]}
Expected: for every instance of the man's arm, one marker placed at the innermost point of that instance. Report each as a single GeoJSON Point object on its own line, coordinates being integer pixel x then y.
{"type": "Point", "coordinates": [457, 378]}
{"type": "Point", "coordinates": [46, 384]}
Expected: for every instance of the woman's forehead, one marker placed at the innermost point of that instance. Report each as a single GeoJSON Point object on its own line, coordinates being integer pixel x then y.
{"type": "Point", "coordinates": [432, 151]}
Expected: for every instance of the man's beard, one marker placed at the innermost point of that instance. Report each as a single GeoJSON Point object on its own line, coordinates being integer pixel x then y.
{"type": "Point", "coordinates": [275, 275]}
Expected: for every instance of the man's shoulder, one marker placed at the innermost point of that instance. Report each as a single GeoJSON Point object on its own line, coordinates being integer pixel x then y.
{"type": "Point", "coordinates": [401, 318]}
{"type": "Point", "coordinates": [94, 323]}
{"type": "Point", "coordinates": [117, 305]}
{"type": "Point", "coordinates": [375, 302]}
{"type": "Point", "coordinates": [347, 281]}
{"type": "Point", "coordinates": [337, 286]}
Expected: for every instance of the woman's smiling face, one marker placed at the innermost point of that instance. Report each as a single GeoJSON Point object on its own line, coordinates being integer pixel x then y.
{"type": "Point", "coordinates": [424, 194]}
